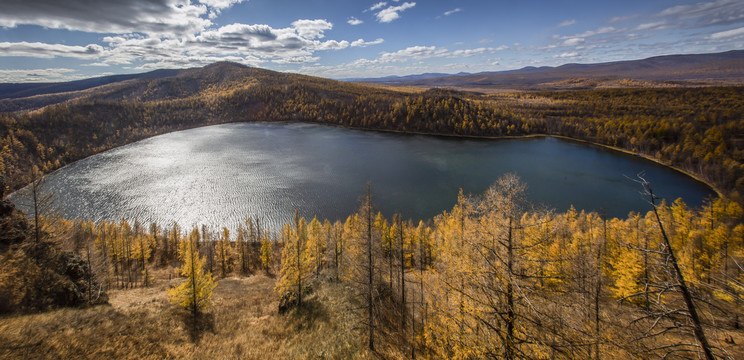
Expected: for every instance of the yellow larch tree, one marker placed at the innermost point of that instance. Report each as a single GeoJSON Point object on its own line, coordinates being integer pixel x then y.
{"type": "Point", "coordinates": [315, 249]}
{"type": "Point", "coordinates": [266, 252]}
{"type": "Point", "coordinates": [295, 264]}
{"type": "Point", "coordinates": [223, 252]}
{"type": "Point", "coordinates": [195, 293]}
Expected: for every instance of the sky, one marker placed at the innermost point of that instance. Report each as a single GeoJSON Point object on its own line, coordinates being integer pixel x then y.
{"type": "Point", "coordinates": [54, 40]}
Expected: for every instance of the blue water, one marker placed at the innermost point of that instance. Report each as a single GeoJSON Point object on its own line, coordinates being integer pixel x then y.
{"type": "Point", "coordinates": [217, 175]}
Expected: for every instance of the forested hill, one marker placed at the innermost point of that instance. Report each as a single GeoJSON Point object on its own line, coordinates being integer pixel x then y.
{"type": "Point", "coordinates": [725, 68]}
{"type": "Point", "coordinates": [207, 83]}
{"type": "Point", "coordinates": [697, 129]}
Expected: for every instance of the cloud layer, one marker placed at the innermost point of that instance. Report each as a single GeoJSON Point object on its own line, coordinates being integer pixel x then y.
{"type": "Point", "coordinates": [150, 34]}
{"type": "Point", "coordinates": [130, 35]}
{"type": "Point", "coordinates": [391, 12]}
{"type": "Point", "coordinates": [154, 17]}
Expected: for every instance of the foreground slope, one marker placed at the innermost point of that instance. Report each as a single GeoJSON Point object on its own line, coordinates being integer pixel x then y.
{"type": "Point", "coordinates": [141, 324]}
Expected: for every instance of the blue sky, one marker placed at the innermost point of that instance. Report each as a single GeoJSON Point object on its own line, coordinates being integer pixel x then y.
{"type": "Point", "coordinates": [53, 40]}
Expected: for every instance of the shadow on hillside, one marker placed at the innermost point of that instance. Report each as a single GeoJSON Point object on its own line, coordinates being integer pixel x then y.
{"type": "Point", "coordinates": [203, 323]}
{"type": "Point", "coordinates": [305, 316]}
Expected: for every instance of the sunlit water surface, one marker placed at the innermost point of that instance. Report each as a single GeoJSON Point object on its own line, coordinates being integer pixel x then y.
{"type": "Point", "coordinates": [217, 175]}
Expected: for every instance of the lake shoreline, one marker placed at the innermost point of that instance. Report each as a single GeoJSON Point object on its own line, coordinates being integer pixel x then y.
{"type": "Point", "coordinates": [557, 174]}
{"type": "Point", "coordinates": [692, 175]}
{"type": "Point", "coordinates": [531, 136]}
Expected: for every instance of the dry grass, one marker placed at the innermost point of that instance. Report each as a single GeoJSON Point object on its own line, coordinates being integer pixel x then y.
{"type": "Point", "coordinates": [243, 324]}
{"type": "Point", "coordinates": [141, 323]}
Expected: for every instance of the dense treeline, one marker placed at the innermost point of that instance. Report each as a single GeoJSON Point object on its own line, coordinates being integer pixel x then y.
{"type": "Point", "coordinates": [494, 277]}
{"type": "Point", "coordinates": [128, 253]}
{"type": "Point", "coordinates": [497, 278]}
{"type": "Point", "coordinates": [697, 129]}
{"type": "Point", "coordinates": [38, 274]}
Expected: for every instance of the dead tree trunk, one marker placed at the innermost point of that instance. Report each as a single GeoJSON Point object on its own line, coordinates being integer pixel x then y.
{"type": "Point", "coordinates": [686, 295]}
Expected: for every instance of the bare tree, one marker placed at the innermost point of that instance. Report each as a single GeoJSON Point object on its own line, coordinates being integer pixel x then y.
{"type": "Point", "coordinates": [663, 313]}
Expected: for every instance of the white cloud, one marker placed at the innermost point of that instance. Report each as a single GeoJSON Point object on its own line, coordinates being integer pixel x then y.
{"type": "Point", "coordinates": [38, 75]}
{"type": "Point", "coordinates": [573, 41]}
{"type": "Point", "coordinates": [220, 4]}
{"type": "Point", "coordinates": [566, 23]}
{"type": "Point", "coordinates": [651, 26]}
{"type": "Point", "coordinates": [242, 43]}
{"type": "Point", "coordinates": [600, 31]}
{"type": "Point", "coordinates": [448, 13]}
{"type": "Point", "coordinates": [216, 6]}
{"type": "Point", "coordinates": [719, 12]}
{"type": "Point", "coordinates": [567, 55]}
{"type": "Point", "coordinates": [312, 29]}
{"type": "Point", "coordinates": [471, 52]}
{"type": "Point", "coordinates": [728, 33]}
{"type": "Point", "coordinates": [354, 21]}
{"type": "Point", "coordinates": [377, 6]}
{"type": "Point", "coordinates": [297, 60]}
{"type": "Point", "coordinates": [154, 17]}
{"type": "Point", "coordinates": [415, 52]}
{"type": "Point", "coordinates": [362, 43]}
{"type": "Point", "coordinates": [421, 53]}
{"type": "Point", "coordinates": [622, 18]}
{"type": "Point", "coordinates": [329, 45]}
{"type": "Point", "coordinates": [392, 12]}
{"type": "Point", "coordinates": [44, 50]}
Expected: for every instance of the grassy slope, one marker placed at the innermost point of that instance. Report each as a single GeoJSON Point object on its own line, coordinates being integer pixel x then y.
{"type": "Point", "coordinates": [243, 324]}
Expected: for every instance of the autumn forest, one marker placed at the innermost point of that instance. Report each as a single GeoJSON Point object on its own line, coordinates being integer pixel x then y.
{"type": "Point", "coordinates": [495, 276]}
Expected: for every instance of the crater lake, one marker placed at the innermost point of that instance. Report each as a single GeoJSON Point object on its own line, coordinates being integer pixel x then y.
{"type": "Point", "coordinates": [217, 175]}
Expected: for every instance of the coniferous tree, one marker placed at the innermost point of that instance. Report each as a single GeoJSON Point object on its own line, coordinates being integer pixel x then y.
{"type": "Point", "coordinates": [295, 264]}
{"type": "Point", "coordinates": [223, 252]}
{"type": "Point", "coordinates": [266, 253]}
{"type": "Point", "coordinates": [195, 293]}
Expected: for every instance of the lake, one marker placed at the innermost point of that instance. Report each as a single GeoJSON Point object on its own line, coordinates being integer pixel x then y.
{"type": "Point", "coordinates": [217, 175]}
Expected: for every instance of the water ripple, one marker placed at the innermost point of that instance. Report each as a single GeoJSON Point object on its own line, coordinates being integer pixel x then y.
{"type": "Point", "coordinates": [217, 175]}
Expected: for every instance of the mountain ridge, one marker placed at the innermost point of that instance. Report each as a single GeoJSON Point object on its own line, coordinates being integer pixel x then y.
{"type": "Point", "coordinates": [724, 68]}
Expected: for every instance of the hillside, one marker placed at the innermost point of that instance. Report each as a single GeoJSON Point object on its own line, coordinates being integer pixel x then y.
{"type": "Point", "coordinates": [210, 82]}
{"type": "Point", "coordinates": [141, 324]}
{"type": "Point", "coordinates": [696, 129]}
{"type": "Point", "coordinates": [725, 68]}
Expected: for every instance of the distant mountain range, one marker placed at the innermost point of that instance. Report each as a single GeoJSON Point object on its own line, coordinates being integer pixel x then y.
{"type": "Point", "coordinates": [726, 68]}
{"type": "Point", "coordinates": [16, 90]}
{"type": "Point", "coordinates": [393, 79]}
